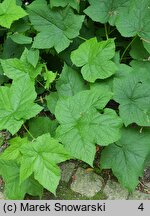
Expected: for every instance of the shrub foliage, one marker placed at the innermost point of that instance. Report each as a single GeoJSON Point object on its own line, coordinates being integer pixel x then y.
{"type": "Point", "coordinates": [74, 75]}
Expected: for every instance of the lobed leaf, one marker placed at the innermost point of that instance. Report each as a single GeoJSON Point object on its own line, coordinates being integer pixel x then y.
{"type": "Point", "coordinates": [63, 3]}
{"type": "Point", "coordinates": [10, 12]}
{"type": "Point", "coordinates": [134, 20]}
{"type": "Point", "coordinates": [95, 59]}
{"type": "Point", "coordinates": [58, 26]}
{"type": "Point", "coordinates": [10, 171]}
{"type": "Point", "coordinates": [127, 156]}
{"type": "Point", "coordinates": [105, 11]}
{"type": "Point", "coordinates": [41, 158]}
{"type": "Point", "coordinates": [82, 126]}
{"type": "Point", "coordinates": [133, 94]}
{"type": "Point", "coordinates": [20, 68]}
{"type": "Point", "coordinates": [17, 104]}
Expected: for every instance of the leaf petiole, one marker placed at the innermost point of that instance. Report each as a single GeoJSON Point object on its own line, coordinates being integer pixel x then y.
{"type": "Point", "coordinates": [106, 31]}
{"type": "Point", "coordinates": [28, 132]}
{"type": "Point", "coordinates": [127, 48]}
{"type": "Point", "coordinates": [82, 38]}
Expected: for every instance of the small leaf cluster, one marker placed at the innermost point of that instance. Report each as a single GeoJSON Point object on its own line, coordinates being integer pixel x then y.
{"type": "Point", "coordinates": [74, 75]}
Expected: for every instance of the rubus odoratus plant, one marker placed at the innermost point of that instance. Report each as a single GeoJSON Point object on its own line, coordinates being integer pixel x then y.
{"type": "Point", "coordinates": [74, 75]}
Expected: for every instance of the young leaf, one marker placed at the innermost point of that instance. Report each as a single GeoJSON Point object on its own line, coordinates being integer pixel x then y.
{"type": "Point", "coordinates": [105, 11]}
{"type": "Point", "coordinates": [82, 126]}
{"type": "Point", "coordinates": [133, 94]}
{"type": "Point", "coordinates": [20, 68]}
{"type": "Point", "coordinates": [17, 104]}
{"type": "Point", "coordinates": [58, 26]}
{"type": "Point", "coordinates": [49, 77]}
{"type": "Point", "coordinates": [95, 59]}
{"type": "Point", "coordinates": [13, 151]}
{"type": "Point", "coordinates": [10, 12]}
{"type": "Point", "coordinates": [70, 82]}
{"type": "Point", "coordinates": [127, 156]}
{"type": "Point", "coordinates": [63, 3]}
{"type": "Point", "coordinates": [41, 158]}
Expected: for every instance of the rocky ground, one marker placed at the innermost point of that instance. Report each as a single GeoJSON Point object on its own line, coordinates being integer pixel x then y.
{"type": "Point", "coordinates": [92, 186]}
{"type": "Point", "coordinates": [78, 183]}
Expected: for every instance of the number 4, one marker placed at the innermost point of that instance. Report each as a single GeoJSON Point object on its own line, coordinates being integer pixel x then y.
{"type": "Point", "coordinates": [141, 207]}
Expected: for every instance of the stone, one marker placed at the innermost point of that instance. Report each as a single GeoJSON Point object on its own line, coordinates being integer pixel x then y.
{"type": "Point", "coordinates": [67, 171]}
{"type": "Point", "coordinates": [114, 191]}
{"type": "Point", "coordinates": [137, 195]}
{"type": "Point", "coordinates": [147, 184]}
{"type": "Point", "coordinates": [65, 193]}
{"type": "Point", "coordinates": [86, 183]}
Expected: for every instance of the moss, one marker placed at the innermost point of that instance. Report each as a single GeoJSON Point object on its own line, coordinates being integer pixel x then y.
{"type": "Point", "coordinates": [65, 193]}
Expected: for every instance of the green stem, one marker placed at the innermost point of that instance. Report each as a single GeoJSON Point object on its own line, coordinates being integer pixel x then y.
{"type": "Point", "coordinates": [82, 38]}
{"type": "Point", "coordinates": [112, 31]}
{"type": "Point", "coordinates": [42, 85]}
{"type": "Point", "coordinates": [127, 48]}
{"type": "Point", "coordinates": [28, 132]}
{"type": "Point", "coordinates": [38, 100]}
{"type": "Point", "coordinates": [106, 31]}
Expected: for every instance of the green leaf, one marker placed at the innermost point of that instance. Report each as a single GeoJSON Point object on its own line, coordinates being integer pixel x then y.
{"type": "Point", "coordinates": [1, 139]}
{"type": "Point", "coordinates": [63, 3]}
{"type": "Point", "coordinates": [140, 64]}
{"type": "Point", "coordinates": [3, 79]}
{"type": "Point", "coordinates": [34, 188]}
{"type": "Point", "coordinates": [133, 94]}
{"type": "Point", "coordinates": [70, 82]}
{"type": "Point", "coordinates": [17, 104]}
{"type": "Point", "coordinates": [13, 151]}
{"type": "Point", "coordinates": [51, 100]}
{"type": "Point", "coordinates": [20, 26]}
{"type": "Point", "coordinates": [11, 49]}
{"type": "Point", "coordinates": [10, 173]}
{"type": "Point", "coordinates": [138, 51]}
{"type": "Point", "coordinates": [33, 57]}
{"type": "Point", "coordinates": [20, 68]}
{"type": "Point", "coordinates": [21, 39]}
{"type": "Point", "coordinates": [41, 158]}
{"type": "Point", "coordinates": [147, 45]}
{"type": "Point", "coordinates": [105, 11]}
{"type": "Point", "coordinates": [104, 90]}
{"type": "Point", "coordinates": [10, 12]}
{"type": "Point", "coordinates": [42, 125]}
{"type": "Point", "coordinates": [95, 59]}
{"type": "Point", "coordinates": [82, 126]}
{"type": "Point", "coordinates": [49, 77]}
{"type": "Point", "coordinates": [58, 26]}
{"type": "Point", "coordinates": [134, 20]}
{"type": "Point", "coordinates": [123, 71]}
{"type": "Point", "coordinates": [127, 156]}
